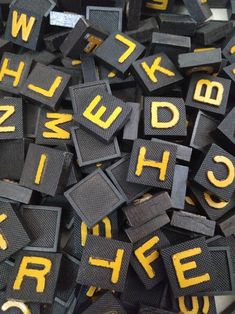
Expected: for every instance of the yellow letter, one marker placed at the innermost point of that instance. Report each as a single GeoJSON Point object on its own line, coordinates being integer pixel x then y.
{"type": "Point", "coordinates": [21, 23]}
{"type": "Point", "coordinates": [212, 203]}
{"type": "Point", "coordinates": [150, 71]}
{"type": "Point", "coordinates": [195, 305]}
{"type": "Point", "coordinates": [114, 265]}
{"type": "Point", "coordinates": [96, 230]}
{"type": "Point", "coordinates": [180, 268]}
{"type": "Point", "coordinates": [112, 74]}
{"type": "Point", "coordinates": [209, 86]}
{"type": "Point", "coordinates": [145, 261]}
{"type": "Point", "coordinates": [130, 50]}
{"type": "Point", "coordinates": [76, 62]}
{"type": "Point", "coordinates": [53, 125]}
{"type": "Point", "coordinates": [93, 43]}
{"type": "Point", "coordinates": [142, 162]}
{"type": "Point", "coordinates": [189, 200]}
{"type": "Point", "coordinates": [47, 93]}
{"type": "Point", "coordinates": [39, 275]}
{"type": "Point", "coordinates": [232, 50]}
{"type": "Point", "coordinates": [183, 308]}
{"type": "Point", "coordinates": [16, 74]}
{"type": "Point", "coordinates": [41, 167]}
{"type": "Point", "coordinates": [91, 291]}
{"type": "Point", "coordinates": [154, 115]}
{"type": "Point", "coordinates": [203, 49]}
{"type": "Point", "coordinates": [3, 242]}
{"type": "Point", "coordinates": [159, 5]}
{"type": "Point", "coordinates": [9, 110]}
{"type": "Point", "coordinates": [96, 117]}
{"type": "Point", "coordinates": [15, 304]}
{"type": "Point", "coordinates": [231, 173]}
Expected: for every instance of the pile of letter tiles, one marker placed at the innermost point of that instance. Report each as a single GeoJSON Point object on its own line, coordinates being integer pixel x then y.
{"type": "Point", "coordinates": [117, 156]}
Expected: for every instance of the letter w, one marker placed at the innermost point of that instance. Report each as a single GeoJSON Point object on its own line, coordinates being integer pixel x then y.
{"type": "Point", "coordinates": [20, 23]}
